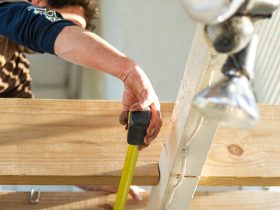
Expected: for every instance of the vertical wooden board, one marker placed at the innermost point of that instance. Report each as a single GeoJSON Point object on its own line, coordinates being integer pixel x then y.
{"type": "Point", "coordinates": [196, 75]}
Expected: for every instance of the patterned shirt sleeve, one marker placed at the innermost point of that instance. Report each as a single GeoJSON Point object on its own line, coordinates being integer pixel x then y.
{"type": "Point", "coordinates": [33, 27]}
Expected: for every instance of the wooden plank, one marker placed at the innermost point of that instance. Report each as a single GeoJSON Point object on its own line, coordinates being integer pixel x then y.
{"type": "Point", "coordinates": [246, 157]}
{"type": "Point", "coordinates": [66, 201]}
{"type": "Point", "coordinates": [235, 200]}
{"type": "Point", "coordinates": [59, 141]}
{"type": "Point", "coordinates": [239, 180]}
{"type": "Point", "coordinates": [69, 142]}
{"type": "Point", "coordinates": [197, 74]}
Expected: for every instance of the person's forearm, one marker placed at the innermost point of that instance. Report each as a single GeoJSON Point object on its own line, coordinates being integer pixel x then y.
{"type": "Point", "coordinates": [87, 49]}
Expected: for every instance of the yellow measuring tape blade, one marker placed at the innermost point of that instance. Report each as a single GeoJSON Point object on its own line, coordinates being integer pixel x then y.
{"type": "Point", "coordinates": [127, 176]}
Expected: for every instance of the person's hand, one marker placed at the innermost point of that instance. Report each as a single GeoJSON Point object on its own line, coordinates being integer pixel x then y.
{"type": "Point", "coordinates": [138, 95]}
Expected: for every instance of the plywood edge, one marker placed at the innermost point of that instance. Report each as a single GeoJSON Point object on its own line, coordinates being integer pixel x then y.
{"type": "Point", "coordinates": [76, 180]}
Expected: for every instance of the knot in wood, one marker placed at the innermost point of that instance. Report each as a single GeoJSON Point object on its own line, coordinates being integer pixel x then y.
{"type": "Point", "coordinates": [235, 150]}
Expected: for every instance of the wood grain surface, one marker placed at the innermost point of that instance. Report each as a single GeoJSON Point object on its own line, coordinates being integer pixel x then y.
{"type": "Point", "coordinates": [236, 200]}
{"type": "Point", "coordinates": [231, 200]}
{"type": "Point", "coordinates": [66, 201]}
{"type": "Point", "coordinates": [246, 157]}
{"type": "Point", "coordinates": [81, 142]}
{"type": "Point", "coordinates": [69, 142]}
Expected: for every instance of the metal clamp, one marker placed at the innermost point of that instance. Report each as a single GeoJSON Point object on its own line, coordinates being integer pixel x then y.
{"type": "Point", "coordinates": [34, 196]}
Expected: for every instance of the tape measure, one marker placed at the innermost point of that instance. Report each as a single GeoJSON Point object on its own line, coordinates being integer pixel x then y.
{"type": "Point", "coordinates": [138, 122]}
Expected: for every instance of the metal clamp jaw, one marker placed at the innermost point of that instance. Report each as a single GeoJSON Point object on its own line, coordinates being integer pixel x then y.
{"type": "Point", "coordinates": [34, 197]}
{"type": "Point", "coordinates": [229, 29]}
{"type": "Point", "coordinates": [235, 35]}
{"type": "Point", "coordinates": [215, 12]}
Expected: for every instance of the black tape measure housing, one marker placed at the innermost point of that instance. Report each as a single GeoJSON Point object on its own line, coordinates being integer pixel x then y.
{"type": "Point", "coordinates": [138, 123]}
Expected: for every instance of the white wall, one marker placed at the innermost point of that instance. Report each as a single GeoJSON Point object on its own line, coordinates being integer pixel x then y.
{"type": "Point", "coordinates": [157, 34]}
{"type": "Point", "coordinates": [53, 77]}
{"type": "Point", "coordinates": [267, 70]}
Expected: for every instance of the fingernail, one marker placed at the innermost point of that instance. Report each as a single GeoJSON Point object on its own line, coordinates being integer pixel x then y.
{"type": "Point", "coordinates": [146, 140]}
{"type": "Point", "coordinates": [151, 132]}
